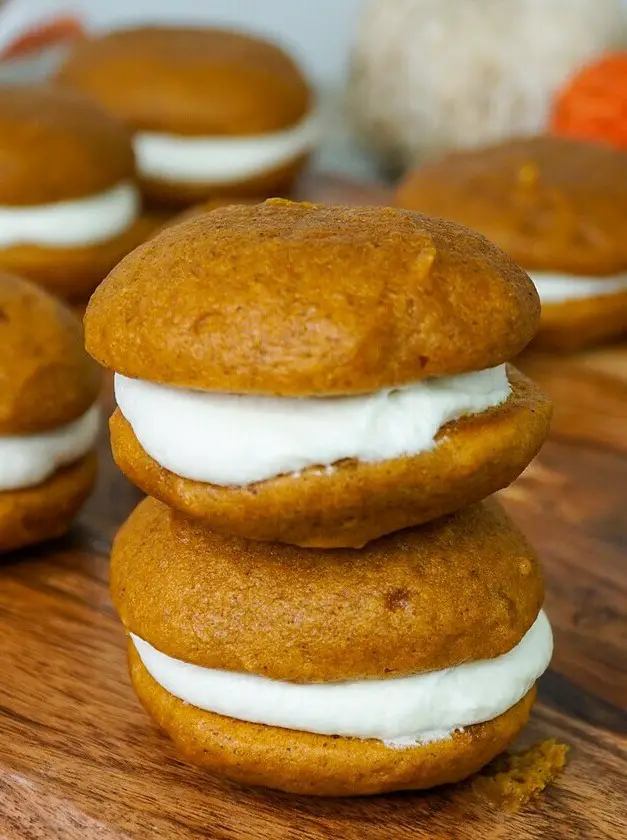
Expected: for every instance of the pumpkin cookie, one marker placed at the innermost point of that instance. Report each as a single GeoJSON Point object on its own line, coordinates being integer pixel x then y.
{"type": "Point", "coordinates": [213, 112]}
{"type": "Point", "coordinates": [412, 662]}
{"type": "Point", "coordinates": [69, 208]}
{"type": "Point", "coordinates": [318, 375]}
{"type": "Point", "coordinates": [558, 207]}
{"type": "Point", "coordinates": [48, 417]}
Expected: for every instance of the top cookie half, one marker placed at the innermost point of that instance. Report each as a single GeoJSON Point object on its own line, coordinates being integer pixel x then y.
{"type": "Point", "coordinates": [190, 81]}
{"type": "Point", "coordinates": [295, 299]}
{"type": "Point", "coordinates": [58, 145]}
{"type": "Point", "coordinates": [553, 204]}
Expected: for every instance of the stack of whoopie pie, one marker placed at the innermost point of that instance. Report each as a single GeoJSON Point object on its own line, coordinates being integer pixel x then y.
{"type": "Point", "coordinates": [317, 399]}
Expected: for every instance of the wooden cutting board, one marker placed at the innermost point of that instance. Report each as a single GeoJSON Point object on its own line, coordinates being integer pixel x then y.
{"type": "Point", "coordinates": [80, 759]}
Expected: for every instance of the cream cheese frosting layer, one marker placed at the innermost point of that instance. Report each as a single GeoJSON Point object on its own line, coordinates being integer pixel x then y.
{"type": "Point", "coordinates": [221, 160]}
{"type": "Point", "coordinates": [558, 288]}
{"type": "Point", "coordinates": [401, 711]}
{"type": "Point", "coordinates": [67, 224]}
{"type": "Point", "coordinates": [28, 460]}
{"type": "Point", "coordinates": [232, 440]}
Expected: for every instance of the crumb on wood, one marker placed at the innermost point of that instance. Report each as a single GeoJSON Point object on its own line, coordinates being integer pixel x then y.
{"type": "Point", "coordinates": [514, 779]}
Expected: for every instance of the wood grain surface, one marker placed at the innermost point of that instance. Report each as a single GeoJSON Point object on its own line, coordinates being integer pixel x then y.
{"type": "Point", "coordinates": [80, 759]}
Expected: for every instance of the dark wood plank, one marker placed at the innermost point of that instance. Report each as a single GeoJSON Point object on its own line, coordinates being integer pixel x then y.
{"type": "Point", "coordinates": [90, 762]}
{"type": "Point", "coordinates": [80, 759]}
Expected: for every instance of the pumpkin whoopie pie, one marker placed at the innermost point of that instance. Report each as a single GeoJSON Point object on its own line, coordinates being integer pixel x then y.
{"type": "Point", "coordinates": [212, 111]}
{"type": "Point", "coordinates": [406, 664]}
{"type": "Point", "coordinates": [48, 417]}
{"type": "Point", "coordinates": [318, 375]}
{"type": "Point", "coordinates": [69, 207]}
{"type": "Point", "coordinates": [559, 208]}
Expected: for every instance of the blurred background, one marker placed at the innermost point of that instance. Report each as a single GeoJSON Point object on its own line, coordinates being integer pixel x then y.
{"type": "Point", "coordinates": [318, 34]}
{"type": "Point", "coordinates": [383, 68]}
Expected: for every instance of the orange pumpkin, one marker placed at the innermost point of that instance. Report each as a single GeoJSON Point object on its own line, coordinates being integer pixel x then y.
{"type": "Point", "coordinates": [593, 104]}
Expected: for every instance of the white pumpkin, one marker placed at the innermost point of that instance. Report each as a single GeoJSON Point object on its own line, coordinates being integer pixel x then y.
{"type": "Point", "coordinates": [431, 75]}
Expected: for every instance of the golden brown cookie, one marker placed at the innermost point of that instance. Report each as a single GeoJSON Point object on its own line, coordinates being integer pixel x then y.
{"type": "Point", "coordinates": [553, 204]}
{"type": "Point", "coordinates": [391, 609]}
{"type": "Point", "coordinates": [34, 514]}
{"type": "Point", "coordinates": [46, 378]}
{"type": "Point", "coordinates": [320, 765]}
{"type": "Point", "coordinates": [296, 299]}
{"type": "Point", "coordinates": [189, 81]}
{"type": "Point", "coordinates": [58, 146]}
{"type": "Point", "coordinates": [195, 83]}
{"type": "Point", "coordinates": [356, 501]}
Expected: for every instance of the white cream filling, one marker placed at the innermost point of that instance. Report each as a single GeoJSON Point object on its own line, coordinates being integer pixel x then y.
{"type": "Point", "coordinates": [28, 460]}
{"type": "Point", "coordinates": [77, 223]}
{"type": "Point", "coordinates": [221, 160]}
{"type": "Point", "coordinates": [233, 440]}
{"type": "Point", "coordinates": [400, 711]}
{"type": "Point", "coordinates": [557, 288]}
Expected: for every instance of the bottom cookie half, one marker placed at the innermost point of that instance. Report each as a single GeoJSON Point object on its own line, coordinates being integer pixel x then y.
{"type": "Point", "coordinates": [321, 765]}
{"type": "Point", "coordinates": [576, 324]}
{"type": "Point", "coordinates": [45, 511]}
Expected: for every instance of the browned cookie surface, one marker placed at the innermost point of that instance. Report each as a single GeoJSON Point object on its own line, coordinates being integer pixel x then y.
{"type": "Point", "coordinates": [306, 763]}
{"type": "Point", "coordinates": [40, 513]}
{"type": "Point", "coordinates": [190, 81]}
{"type": "Point", "coordinates": [463, 588]}
{"type": "Point", "coordinates": [357, 501]}
{"type": "Point", "coordinates": [299, 299]}
{"type": "Point", "coordinates": [551, 203]}
{"type": "Point", "coordinates": [57, 145]}
{"type": "Point", "coordinates": [46, 377]}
